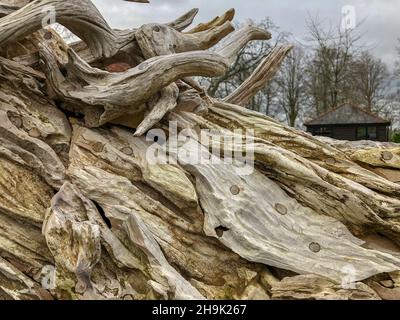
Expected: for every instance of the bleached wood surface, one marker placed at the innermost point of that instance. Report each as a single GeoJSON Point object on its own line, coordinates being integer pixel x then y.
{"type": "Point", "coordinates": [79, 198]}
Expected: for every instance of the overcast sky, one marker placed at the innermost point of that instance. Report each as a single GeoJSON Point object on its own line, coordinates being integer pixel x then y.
{"type": "Point", "coordinates": [381, 27]}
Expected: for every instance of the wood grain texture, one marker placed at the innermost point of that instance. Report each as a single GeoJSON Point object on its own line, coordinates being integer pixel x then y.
{"type": "Point", "coordinates": [85, 212]}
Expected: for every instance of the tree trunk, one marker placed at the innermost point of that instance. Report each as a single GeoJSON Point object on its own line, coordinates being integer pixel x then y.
{"type": "Point", "coordinates": [101, 198]}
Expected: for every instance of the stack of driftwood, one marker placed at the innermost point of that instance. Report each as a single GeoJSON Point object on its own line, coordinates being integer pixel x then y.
{"type": "Point", "coordinates": [86, 214]}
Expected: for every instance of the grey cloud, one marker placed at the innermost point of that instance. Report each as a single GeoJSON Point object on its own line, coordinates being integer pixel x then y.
{"type": "Point", "coordinates": [381, 27]}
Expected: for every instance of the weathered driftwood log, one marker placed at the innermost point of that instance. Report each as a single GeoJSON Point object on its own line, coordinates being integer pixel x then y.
{"type": "Point", "coordinates": [104, 96]}
{"type": "Point", "coordinates": [217, 21]}
{"type": "Point", "coordinates": [81, 17]}
{"type": "Point", "coordinates": [265, 71]}
{"type": "Point", "coordinates": [6, 9]}
{"type": "Point", "coordinates": [86, 212]}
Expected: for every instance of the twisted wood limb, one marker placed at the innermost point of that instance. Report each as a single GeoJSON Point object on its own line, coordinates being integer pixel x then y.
{"type": "Point", "coordinates": [166, 102]}
{"type": "Point", "coordinates": [107, 96]}
{"type": "Point", "coordinates": [217, 21]}
{"type": "Point", "coordinates": [6, 9]}
{"type": "Point", "coordinates": [193, 101]}
{"type": "Point", "coordinates": [152, 44]}
{"type": "Point", "coordinates": [184, 21]}
{"type": "Point", "coordinates": [238, 40]}
{"type": "Point", "coordinates": [79, 16]}
{"type": "Point", "coordinates": [138, 1]}
{"type": "Point", "coordinates": [156, 40]}
{"type": "Point", "coordinates": [264, 72]}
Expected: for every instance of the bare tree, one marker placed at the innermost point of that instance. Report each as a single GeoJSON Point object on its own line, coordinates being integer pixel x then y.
{"type": "Point", "coordinates": [330, 68]}
{"type": "Point", "coordinates": [369, 80]}
{"type": "Point", "coordinates": [291, 83]}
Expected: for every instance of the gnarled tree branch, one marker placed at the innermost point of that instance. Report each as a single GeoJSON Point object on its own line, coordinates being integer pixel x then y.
{"type": "Point", "coordinates": [79, 16]}
{"type": "Point", "coordinates": [184, 21]}
{"type": "Point", "coordinates": [264, 72]}
{"type": "Point", "coordinates": [110, 95]}
{"type": "Point", "coordinates": [156, 40]}
{"type": "Point", "coordinates": [217, 21]}
{"type": "Point", "coordinates": [232, 45]}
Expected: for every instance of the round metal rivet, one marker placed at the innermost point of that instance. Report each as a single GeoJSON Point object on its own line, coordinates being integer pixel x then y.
{"type": "Point", "coordinates": [281, 208]}
{"type": "Point", "coordinates": [235, 190]}
{"type": "Point", "coordinates": [386, 155]}
{"type": "Point", "coordinates": [315, 247]}
{"type": "Point", "coordinates": [127, 150]}
{"type": "Point", "coordinates": [34, 133]}
{"type": "Point", "coordinates": [98, 147]}
{"type": "Point", "coordinates": [330, 161]}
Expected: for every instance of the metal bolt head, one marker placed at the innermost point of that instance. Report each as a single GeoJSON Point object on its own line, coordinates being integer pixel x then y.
{"type": "Point", "coordinates": [235, 190]}
{"type": "Point", "coordinates": [281, 209]}
{"type": "Point", "coordinates": [386, 155]}
{"type": "Point", "coordinates": [315, 247]}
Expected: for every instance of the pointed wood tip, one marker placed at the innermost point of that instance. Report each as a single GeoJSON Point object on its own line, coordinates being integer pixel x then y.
{"type": "Point", "coordinates": [138, 1]}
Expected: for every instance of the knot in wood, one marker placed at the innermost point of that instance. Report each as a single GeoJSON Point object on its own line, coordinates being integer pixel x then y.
{"type": "Point", "coordinates": [281, 209]}
{"type": "Point", "coordinates": [330, 161]}
{"type": "Point", "coordinates": [127, 150]}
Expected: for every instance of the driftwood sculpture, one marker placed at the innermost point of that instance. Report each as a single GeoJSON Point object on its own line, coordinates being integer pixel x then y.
{"type": "Point", "coordinates": [241, 207]}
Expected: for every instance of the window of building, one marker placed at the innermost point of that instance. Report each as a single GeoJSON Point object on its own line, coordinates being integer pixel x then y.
{"type": "Point", "coordinates": [323, 131]}
{"type": "Point", "coordinates": [371, 132]}
{"type": "Point", "coordinates": [366, 133]}
{"type": "Point", "coordinates": [361, 133]}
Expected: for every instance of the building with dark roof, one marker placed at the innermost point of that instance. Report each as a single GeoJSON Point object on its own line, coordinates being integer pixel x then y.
{"type": "Point", "coordinates": [350, 122]}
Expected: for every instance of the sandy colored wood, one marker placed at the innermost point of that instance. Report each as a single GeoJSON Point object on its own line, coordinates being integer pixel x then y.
{"type": "Point", "coordinates": [80, 196]}
{"type": "Point", "coordinates": [265, 71]}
